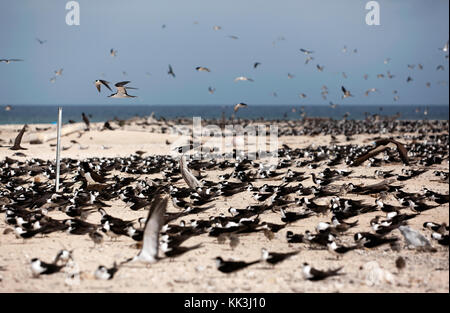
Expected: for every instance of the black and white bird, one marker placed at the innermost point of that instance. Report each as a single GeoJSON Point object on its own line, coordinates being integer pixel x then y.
{"type": "Point", "coordinates": [104, 273]}
{"type": "Point", "coordinates": [273, 258]}
{"type": "Point", "coordinates": [232, 266]}
{"type": "Point", "coordinates": [99, 82]}
{"type": "Point", "coordinates": [346, 93]}
{"type": "Point", "coordinates": [39, 267]}
{"type": "Point", "coordinates": [122, 91]}
{"type": "Point", "coordinates": [313, 274]}
{"type": "Point", "coordinates": [202, 69]}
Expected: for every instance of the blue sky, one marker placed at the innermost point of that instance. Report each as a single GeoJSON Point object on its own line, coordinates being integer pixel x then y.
{"type": "Point", "coordinates": [411, 32]}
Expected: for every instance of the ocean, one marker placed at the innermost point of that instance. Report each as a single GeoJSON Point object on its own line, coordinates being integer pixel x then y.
{"type": "Point", "coordinates": [44, 114]}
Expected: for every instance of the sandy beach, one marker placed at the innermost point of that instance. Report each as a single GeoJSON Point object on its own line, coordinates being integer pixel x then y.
{"type": "Point", "coordinates": [195, 271]}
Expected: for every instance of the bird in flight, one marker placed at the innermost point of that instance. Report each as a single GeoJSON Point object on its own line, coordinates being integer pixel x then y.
{"type": "Point", "coordinates": [113, 52]}
{"type": "Point", "coordinates": [256, 64]}
{"type": "Point", "coordinates": [306, 51]}
{"type": "Point", "coordinates": [41, 41]}
{"type": "Point", "coordinates": [445, 48]}
{"type": "Point", "coordinates": [7, 61]}
{"type": "Point", "coordinates": [239, 105]}
{"type": "Point", "coordinates": [170, 72]}
{"type": "Point", "coordinates": [202, 69]}
{"type": "Point", "coordinates": [370, 90]}
{"type": "Point", "coordinates": [216, 27]}
{"type": "Point", "coordinates": [58, 72]}
{"type": "Point", "coordinates": [122, 91]}
{"type": "Point", "coordinates": [243, 78]}
{"type": "Point", "coordinates": [320, 68]}
{"type": "Point", "coordinates": [100, 82]}
{"type": "Point", "coordinates": [211, 90]}
{"type": "Point", "coordinates": [346, 93]}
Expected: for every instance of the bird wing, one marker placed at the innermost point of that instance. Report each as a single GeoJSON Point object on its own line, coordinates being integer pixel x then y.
{"type": "Point", "coordinates": [343, 89]}
{"type": "Point", "coordinates": [155, 221]}
{"type": "Point", "coordinates": [402, 151]}
{"type": "Point", "coordinates": [105, 83]}
{"type": "Point", "coordinates": [369, 154]}
{"type": "Point", "coordinates": [18, 139]}
{"type": "Point", "coordinates": [187, 175]}
{"type": "Point", "coordinates": [120, 84]}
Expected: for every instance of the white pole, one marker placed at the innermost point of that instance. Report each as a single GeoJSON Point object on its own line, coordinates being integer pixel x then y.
{"type": "Point", "coordinates": [58, 147]}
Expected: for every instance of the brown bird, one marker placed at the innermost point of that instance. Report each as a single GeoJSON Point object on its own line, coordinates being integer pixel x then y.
{"type": "Point", "coordinates": [380, 146]}
{"type": "Point", "coordinates": [18, 139]}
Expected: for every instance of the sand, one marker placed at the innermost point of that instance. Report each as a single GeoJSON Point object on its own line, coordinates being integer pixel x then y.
{"type": "Point", "coordinates": [195, 271]}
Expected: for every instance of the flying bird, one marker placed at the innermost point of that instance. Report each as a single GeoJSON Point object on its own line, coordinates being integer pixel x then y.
{"type": "Point", "coordinates": [211, 90]}
{"type": "Point", "coordinates": [7, 61]}
{"type": "Point", "coordinates": [41, 41]}
{"type": "Point", "coordinates": [307, 52]}
{"type": "Point", "coordinates": [346, 93]}
{"type": "Point", "coordinates": [256, 64]}
{"type": "Point", "coordinates": [243, 78]}
{"type": "Point", "coordinates": [100, 82]}
{"type": "Point", "coordinates": [370, 90]}
{"type": "Point", "coordinates": [58, 72]}
{"type": "Point", "coordinates": [202, 69]}
{"type": "Point", "coordinates": [445, 48]}
{"type": "Point", "coordinates": [113, 52]}
{"type": "Point", "coordinates": [122, 91]}
{"type": "Point", "coordinates": [320, 68]}
{"type": "Point", "coordinates": [239, 105]}
{"type": "Point", "coordinates": [170, 72]}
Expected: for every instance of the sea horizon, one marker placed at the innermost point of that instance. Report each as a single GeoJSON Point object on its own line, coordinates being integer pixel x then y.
{"type": "Point", "coordinates": [47, 113]}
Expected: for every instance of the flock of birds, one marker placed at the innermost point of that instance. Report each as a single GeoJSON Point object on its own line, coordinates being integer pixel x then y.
{"type": "Point", "coordinates": [309, 54]}
{"type": "Point", "coordinates": [88, 184]}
